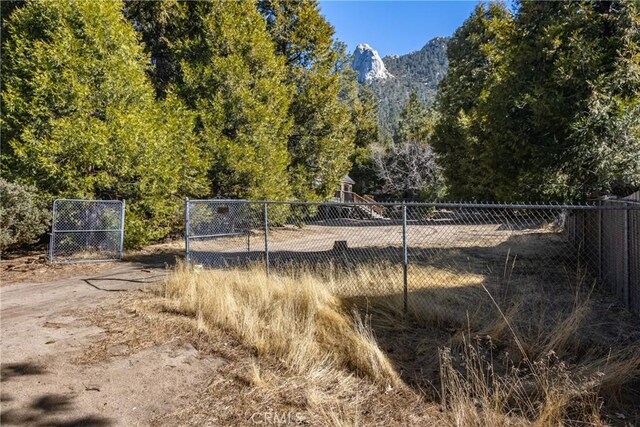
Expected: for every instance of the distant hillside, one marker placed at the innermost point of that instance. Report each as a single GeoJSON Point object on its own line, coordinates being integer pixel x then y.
{"type": "Point", "coordinates": [427, 65]}
{"type": "Point", "coordinates": [419, 71]}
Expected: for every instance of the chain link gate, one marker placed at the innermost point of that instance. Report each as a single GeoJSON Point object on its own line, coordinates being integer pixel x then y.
{"type": "Point", "coordinates": [218, 232]}
{"type": "Point", "coordinates": [86, 230]}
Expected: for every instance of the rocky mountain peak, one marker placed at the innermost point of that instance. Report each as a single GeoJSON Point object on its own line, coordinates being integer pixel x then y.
{"type": "Point", "coordinates": [368, 64]}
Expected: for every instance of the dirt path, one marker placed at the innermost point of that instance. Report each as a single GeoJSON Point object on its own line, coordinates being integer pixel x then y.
{"type": "Point", "coordinates": [45, 333]}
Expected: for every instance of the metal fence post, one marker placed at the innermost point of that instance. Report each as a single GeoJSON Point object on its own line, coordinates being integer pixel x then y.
{"type": "Point", "coordinates": [53, 232]}
{"type": "Point", "coordinates": [626, 236]}
{"type": "Point", "coordinates": [600, 275]}
{"type": "Point", "coordinates": [122, 213]}
{"type": "Point", "coordinates": [186, 229]}
{"type": "Point", "coordinates": [249, 215]}
{"type": "Point", "coordinates": [405, 259]}
{"type": "Point", "coordinates": [266, 237]}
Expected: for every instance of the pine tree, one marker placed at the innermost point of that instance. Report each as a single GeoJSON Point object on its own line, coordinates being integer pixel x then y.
{"type": "Point", "coordinates": [477, 63]}
{"type": "Point", "coordinates": [321, 140]}
{"type": "Point", "coordinates": [543, 106]}
{"type": "Point", "coordinates": [160, 24]}
{"type": "Point", "coordinates": [415, 122]}
{"type": "Point", "coordinates": [220, 60]}
{"type": "Point", "coordinates": [607, 132]}
{"type": "Point", "coordinates": [564, 121]}
{"type": "Point", "coordinates": [235, 82]}
{"type": "Point", "coordinates": [80, 119]}
{"type": "Point", "coordinates": [6, 8]}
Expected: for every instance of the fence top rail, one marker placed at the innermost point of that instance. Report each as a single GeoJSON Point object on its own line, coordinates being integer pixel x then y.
{"type": "Point", "coordinates": [87, 230]}
{"type": "Point", "coordinates": [629, 202]}
{"type": "Point", "coordinates": [88, 200]}
{"type": "Point", "coordinates": [452, 205]}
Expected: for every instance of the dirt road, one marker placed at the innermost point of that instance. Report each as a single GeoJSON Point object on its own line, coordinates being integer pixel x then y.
{"type": "Point", "coordinates": [46, 333]}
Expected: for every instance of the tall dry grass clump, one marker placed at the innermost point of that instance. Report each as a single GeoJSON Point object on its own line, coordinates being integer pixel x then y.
{"type": "Point", "coordinates": [551, 379]}
{"type": "Point", "coordinates": [297, 320]}
{"type": "Point", "coordinates": [541, 353]}
{"type": "Point", "coordinates": [480, 388]}
{"type": "Point", "coordinates": [545, 392]}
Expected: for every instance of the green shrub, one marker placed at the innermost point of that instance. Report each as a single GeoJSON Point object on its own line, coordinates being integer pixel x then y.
{"type": "Point", "coordinates": [24, 215]}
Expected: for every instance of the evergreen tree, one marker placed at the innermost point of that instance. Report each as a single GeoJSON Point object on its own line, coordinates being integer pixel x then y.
{"type": "Point", "coordinates": [364, 116]}
{"type": "Point", "coordinates": [476, 63]}
{"type": "Point", "coordinates": [321, 141]}
{"type": "Point", "coordinates": [568, 123]}
{"type": "Point", "coordinates": [415, 122]}
{"type": "Point", "coordinates": [543, 106]}
{"type": "Point", "coordinates": [221, 61]}
{"type": "Point", "coordinates": [6, 8]}
{"type": "Point", "coordinates": [322, 135]}
{"type": "Point", "coordinates": [234, 81]}
{"type": "Point", "coordinates": [80, 119]}
{"type": "Point", "coordinates": [607, 133]}
{"type": "Point", "coordinates": [160, 23]}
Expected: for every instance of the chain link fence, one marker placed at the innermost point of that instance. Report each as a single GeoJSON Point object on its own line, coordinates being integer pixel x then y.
{"type": "Point", "coordinates": [86, 230]}
{"type": "Point", "coordinates": [411, 254]}
{"type": "Point", "coordinates": [609, 242]}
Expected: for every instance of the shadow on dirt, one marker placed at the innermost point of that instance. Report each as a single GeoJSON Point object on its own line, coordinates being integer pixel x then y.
{"type": "Point", "coordinates": [44, 410]}
{"type": "Point", "coordinates": [462, 317]}
{"type": "Point", "coordinates": [123, 282]}
{"type": "Point", "coordinates": [158, 259]}
{"type": "Point", "coordinates": [47, 410]}
{"type": "Point", "coordinates": [11, 370]}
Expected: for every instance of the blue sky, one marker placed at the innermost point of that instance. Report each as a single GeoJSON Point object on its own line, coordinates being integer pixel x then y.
{"type": "Point", "coordinates": [397, 27]}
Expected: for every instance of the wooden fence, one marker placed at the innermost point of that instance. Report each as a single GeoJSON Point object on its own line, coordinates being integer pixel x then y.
{"type": "Point", "coordinates": [609, 242]}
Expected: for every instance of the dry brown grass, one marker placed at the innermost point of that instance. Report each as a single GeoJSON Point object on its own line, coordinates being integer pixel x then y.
{"type": "Point", "coordinates": [297, 320]}
{"type": "Point", "coordinates": [308, 354]}
{"type": "Point", "coordinates": [508, 353]}
{"type": "Point", "coordinates": [478, 389]}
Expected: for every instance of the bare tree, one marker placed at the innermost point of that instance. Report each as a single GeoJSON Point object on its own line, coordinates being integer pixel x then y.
{"type": "Point", "coordinates": [408, 167]}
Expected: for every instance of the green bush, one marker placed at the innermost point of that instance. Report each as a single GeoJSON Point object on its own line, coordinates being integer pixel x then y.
{"type": "Point", "coordinates": [24, 215]}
